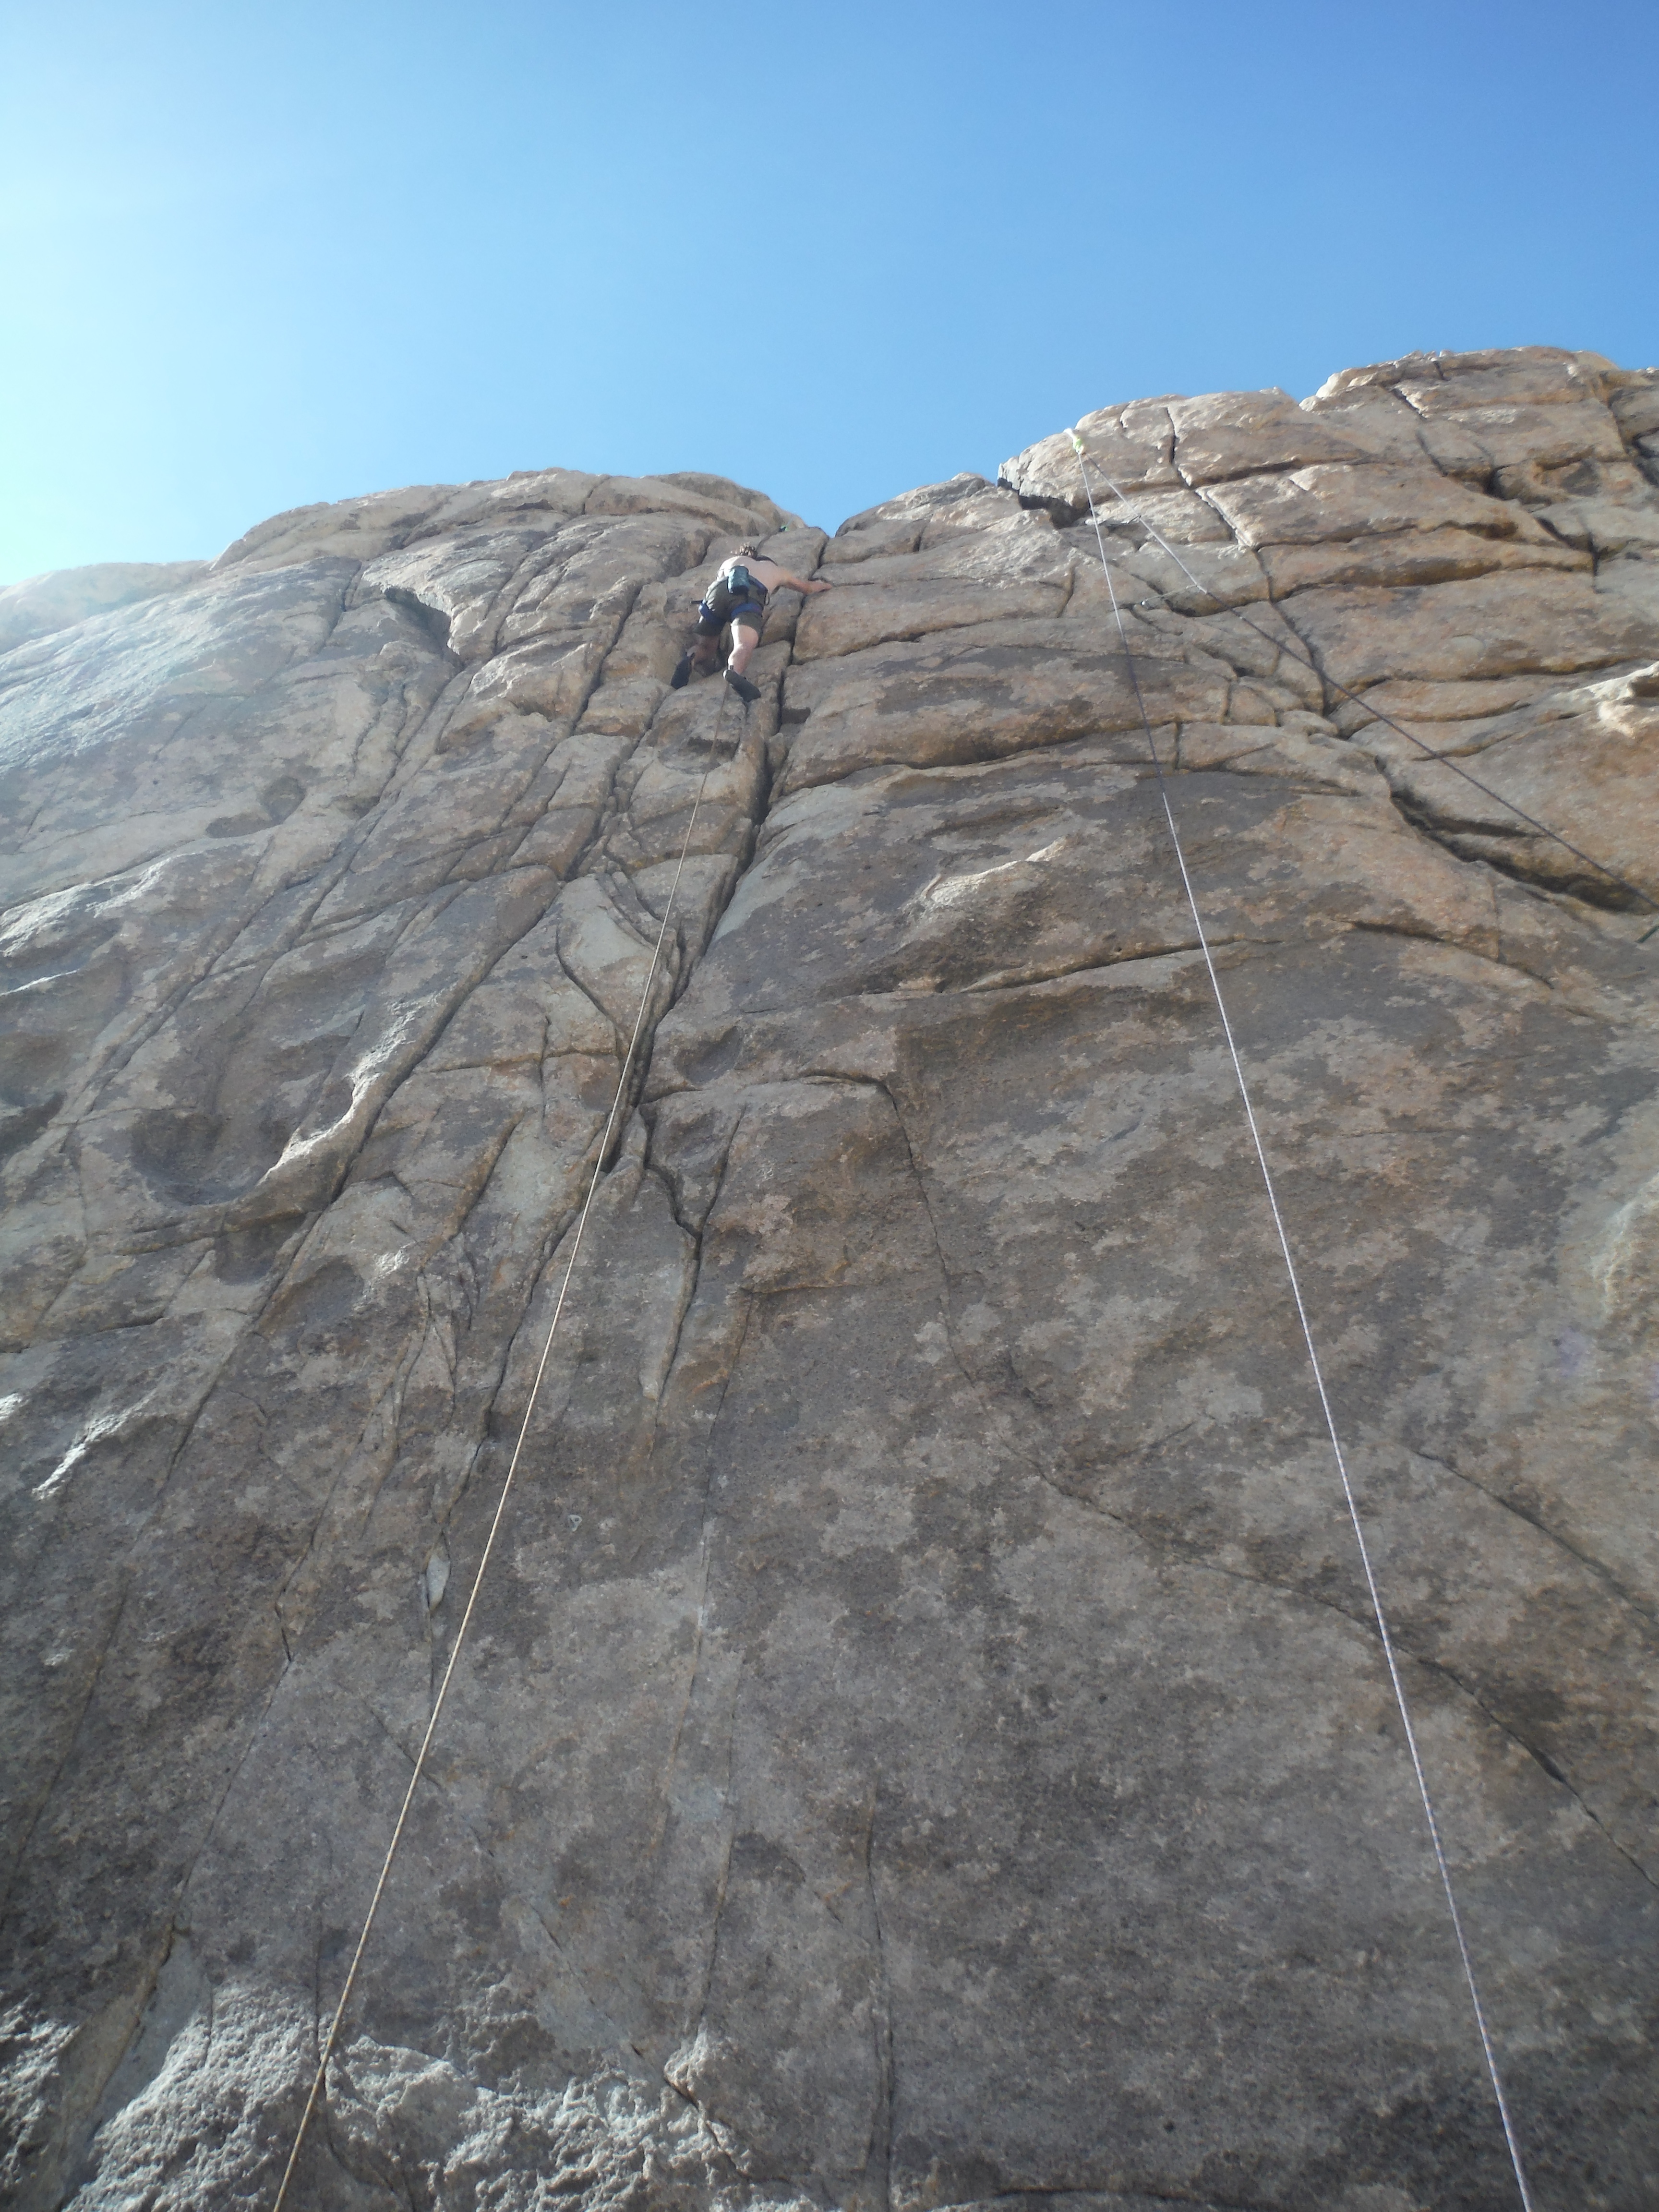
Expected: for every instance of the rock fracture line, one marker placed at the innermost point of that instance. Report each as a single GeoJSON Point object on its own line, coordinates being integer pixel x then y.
{"type": "Point", "coordinates": [1444, 760]}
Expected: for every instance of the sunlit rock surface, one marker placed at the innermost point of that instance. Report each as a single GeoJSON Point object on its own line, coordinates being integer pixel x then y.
{"type": "Point", "coordinates": [924, 1740]}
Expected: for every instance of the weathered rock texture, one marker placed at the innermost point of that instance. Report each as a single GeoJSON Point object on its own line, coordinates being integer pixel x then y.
{"type": "Point", "coordinates": [925, 1741]}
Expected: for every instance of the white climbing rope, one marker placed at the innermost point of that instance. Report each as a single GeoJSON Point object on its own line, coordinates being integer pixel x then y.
{"type": "Point", "coordinates": [506, 1486]}
{"type": "Point", "coordinates": [1510, 2137]}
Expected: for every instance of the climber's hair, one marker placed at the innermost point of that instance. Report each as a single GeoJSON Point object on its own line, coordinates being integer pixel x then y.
{"type": "Point", "coordinates": [749, 551]}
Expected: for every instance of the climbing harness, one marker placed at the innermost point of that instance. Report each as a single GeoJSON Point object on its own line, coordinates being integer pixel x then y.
{"type": "Point", "coordinates": [732, 595]}
{"type": "Point", "coordinates": [1445, 760]}
{"type": "Point", "coordinates": [1388, 1652]}
{"type": "Point", "coordinates": [506, 1486]}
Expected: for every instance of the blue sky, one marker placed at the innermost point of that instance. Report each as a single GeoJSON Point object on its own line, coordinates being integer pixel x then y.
{"type": "Point", "coordinates": [258, 256]}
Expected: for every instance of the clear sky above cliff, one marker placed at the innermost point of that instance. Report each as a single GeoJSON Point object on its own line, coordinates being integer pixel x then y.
{"type": "Point", "coordinates": [255, 258]}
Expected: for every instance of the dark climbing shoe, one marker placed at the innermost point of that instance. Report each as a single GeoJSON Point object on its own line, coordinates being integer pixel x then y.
{"type": "Point", "coordinates": [746, 691]}
{"type": "Point", "coordinates": [681, 675]}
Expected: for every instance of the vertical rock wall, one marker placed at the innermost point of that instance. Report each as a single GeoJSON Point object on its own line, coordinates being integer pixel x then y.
{"type": "Point", "coordinates": [924, 1740]}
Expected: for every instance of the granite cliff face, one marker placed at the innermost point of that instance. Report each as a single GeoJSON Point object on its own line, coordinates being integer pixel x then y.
{"type": "Point", "coordinates": [925, 1741]}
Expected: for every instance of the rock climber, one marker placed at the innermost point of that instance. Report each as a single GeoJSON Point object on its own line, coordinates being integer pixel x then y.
{"type": "Point", "coordinates": [738, 595]}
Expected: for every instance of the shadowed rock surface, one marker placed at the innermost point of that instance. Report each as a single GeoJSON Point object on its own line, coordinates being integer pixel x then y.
{"type": "Point", "coordinates": [924, 1741]}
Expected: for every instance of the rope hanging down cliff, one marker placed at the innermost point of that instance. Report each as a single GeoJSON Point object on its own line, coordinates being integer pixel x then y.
{"type": "Point", "coordinates": [506, 1486]}
{"type": "Point", "coordinates": [1445, 760]}
{"type": "Point", "coordinates": [1388, 1652]}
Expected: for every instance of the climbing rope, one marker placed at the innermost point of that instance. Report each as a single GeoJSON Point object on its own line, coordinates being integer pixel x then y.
{"type": "Point", "coordinates": [1306, 657]}
{"type": "Point", "coordinates": [1402, 1702]}
{"type": "Point", "coordinates": [506, 1486]}
{"type": "Point", "coordinates": [1381, 1617]}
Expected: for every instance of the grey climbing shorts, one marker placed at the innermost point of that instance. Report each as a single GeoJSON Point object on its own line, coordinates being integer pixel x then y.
{"type": "Point", "coordinates": [750, 612]}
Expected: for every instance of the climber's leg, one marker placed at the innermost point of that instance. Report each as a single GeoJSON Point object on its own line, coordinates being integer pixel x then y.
{"type": "Point", "coordinates": [744, 642]}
